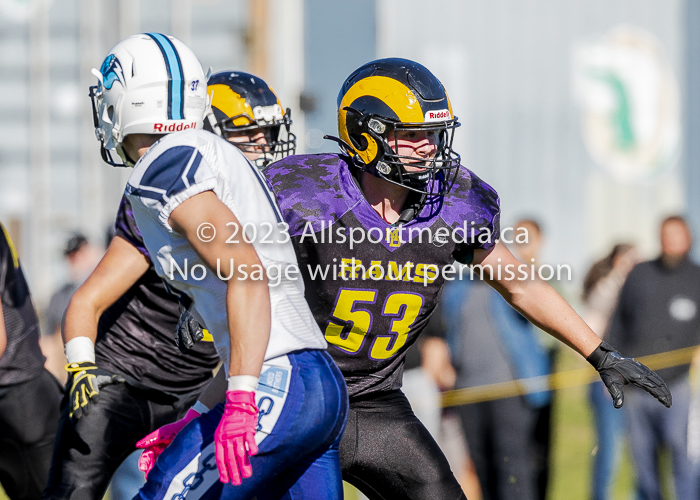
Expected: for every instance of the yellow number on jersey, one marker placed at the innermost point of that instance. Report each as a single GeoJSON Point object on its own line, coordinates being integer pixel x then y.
{"type": "Point", "coordinates": [405, 306]}
{"type": "Point", "coordinates": [361, 320]}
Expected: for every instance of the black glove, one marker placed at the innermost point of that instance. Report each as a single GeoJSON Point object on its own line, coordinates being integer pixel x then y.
{"type": "Point", "coordinates": [189, 331]}
{"type": "Point", "coordinates": [617, 371]}
{"type": "Point", "coordinates": [85, 381]}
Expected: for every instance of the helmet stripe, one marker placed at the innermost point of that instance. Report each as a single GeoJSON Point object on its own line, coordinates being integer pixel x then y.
{"type": "Point", "coordinates": [229, 102]}
{"type": "Point", "coordinates": [176, 81]}
{"type": "Point", "coordinates": [392, 92]}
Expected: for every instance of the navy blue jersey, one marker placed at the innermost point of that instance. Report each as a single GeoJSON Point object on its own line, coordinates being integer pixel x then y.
{"type": "Point", "coordinates": [136, 335]}
{"type": "Point", "coordinates": [372, 298]}
{"type": "Point", "coordinates": [22, 359]}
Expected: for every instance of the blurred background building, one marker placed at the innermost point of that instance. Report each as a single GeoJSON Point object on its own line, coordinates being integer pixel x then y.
{"type": "Point", "coordinates": [576, 112]}
{"type": "Point", "coordinates": [582, 114]}
{"type": "Point", "coordinates": [579, 113]}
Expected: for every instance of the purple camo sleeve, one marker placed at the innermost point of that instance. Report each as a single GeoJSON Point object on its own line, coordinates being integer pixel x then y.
{"type": "Point", "coordinates": [473, 207]}
{"type": "Point", "coordinates": [307, 189]}
{"type": "Point", "coordinates": [125, 227]}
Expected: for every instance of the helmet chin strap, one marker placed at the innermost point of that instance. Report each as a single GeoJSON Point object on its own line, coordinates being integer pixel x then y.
{"type": "Point", "coordinates": [128, 162]}
{"type": "Point", "coordinates": [414, 204]}
{"type": "Point", "coordinates": [264, 160]}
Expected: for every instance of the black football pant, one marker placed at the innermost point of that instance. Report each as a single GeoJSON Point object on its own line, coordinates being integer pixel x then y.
{"type": "Point", "coordinates": [29, 414]}
{"type": "Point", "coordinates": [89, 451]}
{"type": "Point", "coordinates": [387, 453]}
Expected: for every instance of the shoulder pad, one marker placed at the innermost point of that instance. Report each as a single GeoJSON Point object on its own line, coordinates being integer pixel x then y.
{"type": "Point", "coordinates": [474, 204]}
{"type": "Point", "coordinates": [169, 173]}
{"type": "Point", "coordinates": [308, 189]}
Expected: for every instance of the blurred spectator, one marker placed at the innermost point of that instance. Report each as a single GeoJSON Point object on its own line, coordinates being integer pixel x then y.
{"type": "Point", "coordinates": [429, 360]}
{"type": "Point", "coordinates": [29, 395]}
{"type": "Point", "coordinates": [528, 251]}
{"type": "Point", "coordinates": [601, 288]}
{"type": "Point", "coordinates": [82, 257]}
{"type": "Point", "coordinates": [490, 343]}
{"type": "Point", "coordinates": [428, 371]}
{"type": "Point", "coordinates": [657, 312]}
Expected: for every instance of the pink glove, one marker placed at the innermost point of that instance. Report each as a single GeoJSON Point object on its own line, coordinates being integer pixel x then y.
{"type": "Point", "coordinates": [235, 431]}
{"type": "Point", "coordinates": [159, 439]}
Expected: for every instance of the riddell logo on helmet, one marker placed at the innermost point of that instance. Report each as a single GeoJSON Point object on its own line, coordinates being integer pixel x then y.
{"type": "Point", "coordinates": [440, 115]}
{"type": "Point", "coordinates": [173, 127]}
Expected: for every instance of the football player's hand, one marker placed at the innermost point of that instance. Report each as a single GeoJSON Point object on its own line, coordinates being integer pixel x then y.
{"type": "Point", "coordinates": [617, 371]}
{"type": "Point", "coordinates": [85, 381]}
{"type": "Point", "coordinates": [235, 437]}
{"type": "Point", "coordinates": [154, 443]}
{"type": "Point", "coordinates": [189, 331]}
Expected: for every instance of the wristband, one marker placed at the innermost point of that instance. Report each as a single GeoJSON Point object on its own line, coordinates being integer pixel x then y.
{"type": "Point", "coordinates": [200, 408]}
{"type": "Point", "coordinates": [80, 350]}
{"type": "Point", "coordinates": [243, 383]}
{"type": "Point", "coordinates": [596, 357]}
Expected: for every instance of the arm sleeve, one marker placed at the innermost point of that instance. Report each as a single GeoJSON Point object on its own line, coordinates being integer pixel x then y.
{"type": "Point", "coordinates": [125, 227]}
{"type": "Point", "coordinates": [173, 177]}
{"type": "Point", "coordinates": [478, 221]}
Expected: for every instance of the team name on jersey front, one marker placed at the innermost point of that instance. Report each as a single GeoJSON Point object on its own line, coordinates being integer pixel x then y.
{"type": "Point", "coordinates": [371, 298]}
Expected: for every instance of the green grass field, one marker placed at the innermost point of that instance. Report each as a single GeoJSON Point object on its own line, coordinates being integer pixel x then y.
{"type": "Point", "coordinates": [574, 445]}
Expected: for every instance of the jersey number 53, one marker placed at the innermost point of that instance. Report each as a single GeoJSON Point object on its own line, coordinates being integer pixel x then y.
{"type": "Point", "coordinates": [355, 323]}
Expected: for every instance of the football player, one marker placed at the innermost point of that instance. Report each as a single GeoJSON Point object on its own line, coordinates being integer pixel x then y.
{"type": "Point", "coordinates": [29, 395]}
{"type": "Point", "coordinates": [247, 113]}
{"type": "Point", "coordinates": [161, 388]}
{"type": "Point", "coordinates": [376, 230]}
{"type": "Point", "coordinates": [120, 327]}
{"type": "Point", "coordinates": [285, 403]}
{"type": "Point", "coordinates": [237, 98]}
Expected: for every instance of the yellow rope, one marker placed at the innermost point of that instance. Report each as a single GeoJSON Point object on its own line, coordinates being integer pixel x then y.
{"type": "Point", "coordinates": [559, 380]}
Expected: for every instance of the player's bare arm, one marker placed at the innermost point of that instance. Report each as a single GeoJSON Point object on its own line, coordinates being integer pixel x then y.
{"type": "Point", "coordinates": [539, 302]}
{"type": "Point", "coordinates": [120, 268]}
{"type": "Point", "coordinates": [544, 307]}
{"type": "Point", "coordinates": [247, 300]}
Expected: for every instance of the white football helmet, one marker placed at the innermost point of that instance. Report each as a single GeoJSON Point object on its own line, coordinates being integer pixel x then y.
{"type": "Point", "coordinates": [148, 84]}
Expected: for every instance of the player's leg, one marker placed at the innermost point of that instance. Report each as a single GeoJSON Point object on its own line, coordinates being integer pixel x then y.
{"type": "Point", "coordinates": [303, 406]}
{"type": "Point", "coordinates": [29, 415]}
{"type": "Point", "coordinates": [387, 453]}
{"type": "Point", "coordinates": [164, 409]}
{"type": "Point", "coordinates": [89, 450]}
{"type": "Point", "coordinates": [316, 477]}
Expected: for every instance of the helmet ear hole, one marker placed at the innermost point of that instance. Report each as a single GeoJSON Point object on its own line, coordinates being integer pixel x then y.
{"type": "Point", "coordinates": [359, 141]}
{"type": "Point", "coordinates": [274, 133]}
{"type": "Point", "coordinates": [110, 113]}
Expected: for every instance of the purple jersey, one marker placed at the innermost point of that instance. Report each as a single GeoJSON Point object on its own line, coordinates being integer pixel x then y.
{"type": "Point", "coordinates": [373, 297]}
{"type": "Point", "coordinates": [136, 335]}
